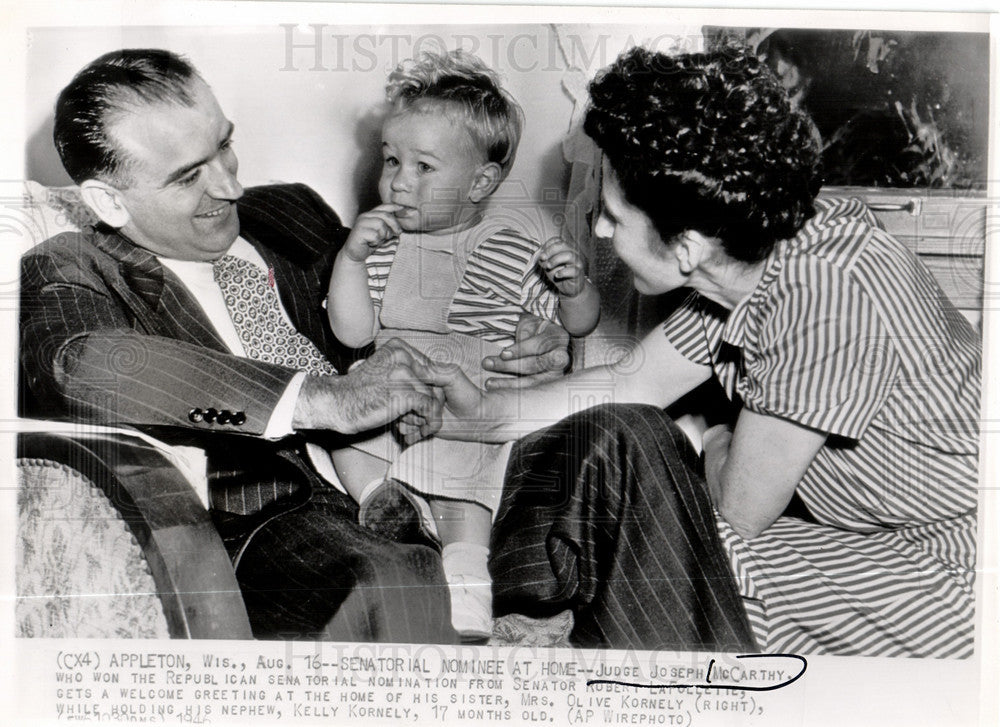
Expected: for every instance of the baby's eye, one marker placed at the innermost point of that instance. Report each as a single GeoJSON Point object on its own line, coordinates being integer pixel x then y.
{"type": "Point", "coordinates": [391, 162]}
{"type": "Point", "coordinates": [424, 167]}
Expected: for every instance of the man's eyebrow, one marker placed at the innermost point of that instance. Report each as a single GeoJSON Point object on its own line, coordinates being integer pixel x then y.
{"type": "Point", "coordinates": [178, 173]}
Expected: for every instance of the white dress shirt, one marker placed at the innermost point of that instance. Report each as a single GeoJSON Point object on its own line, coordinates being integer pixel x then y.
{"type": "Point", "coordinates": [198, 278]}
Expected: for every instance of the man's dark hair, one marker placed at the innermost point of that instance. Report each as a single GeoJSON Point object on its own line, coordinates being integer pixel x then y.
{"type": "Point", "coordinates": [114, 84]}
{"type": "Point", "coordinates": [707, 142]}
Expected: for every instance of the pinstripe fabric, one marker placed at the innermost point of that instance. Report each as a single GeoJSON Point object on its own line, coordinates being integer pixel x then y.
{"type": "Point", "coordinates": [108, 335]}
{"type": "Point", "coordinates": [850, 334]}
{"type": "Point", "coordinates": [312, 571]}
{"type": "Point", "coordinates": [604, 512]}
{"type": "Point", "coordinates": [501, 281]}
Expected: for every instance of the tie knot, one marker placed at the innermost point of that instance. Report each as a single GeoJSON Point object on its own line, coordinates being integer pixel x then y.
{"type": "Point", "coordinates": [228, 267]}
{"type": "Point", "coordinates": [230, 270]}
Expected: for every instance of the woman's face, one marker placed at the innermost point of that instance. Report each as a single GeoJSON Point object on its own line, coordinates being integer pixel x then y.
{"type": "Point", "coordinates": [635, 240]}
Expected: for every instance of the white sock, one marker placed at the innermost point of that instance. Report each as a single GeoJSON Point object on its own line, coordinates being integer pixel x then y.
{"type": "Point", "coordinates": [470, 560]}
{"type": "Point", "coordinates": [368, 489]}
{"type": "Point", "coordinates": [470, 587]}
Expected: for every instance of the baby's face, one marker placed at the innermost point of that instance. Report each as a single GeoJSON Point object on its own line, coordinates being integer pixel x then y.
{"type": "Point", "coordinates": [428, 167]}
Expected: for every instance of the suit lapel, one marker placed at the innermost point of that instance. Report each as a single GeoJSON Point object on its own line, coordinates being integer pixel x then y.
{"type": "Point", "coordinates": [163, 306]}
{"type": "Point", "coordinates": [299, 285]}
{"type": "Point", "coordinates": [157, 298]}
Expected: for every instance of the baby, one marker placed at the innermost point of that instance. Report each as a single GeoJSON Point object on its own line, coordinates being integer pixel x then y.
{"type": "Point", "coordinates": [433, 266]}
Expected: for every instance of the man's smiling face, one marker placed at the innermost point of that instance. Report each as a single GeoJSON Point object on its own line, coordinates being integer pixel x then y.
{"type": "Point", "coordinates": [181, 200]}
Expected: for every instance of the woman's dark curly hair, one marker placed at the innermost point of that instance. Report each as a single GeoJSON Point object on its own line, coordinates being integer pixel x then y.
{"type": "Point", "coordinates": [709, 142]}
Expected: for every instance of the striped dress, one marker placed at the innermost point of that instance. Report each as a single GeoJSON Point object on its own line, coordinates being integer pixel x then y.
{"type": "Point", "coordinates": [848, 333]}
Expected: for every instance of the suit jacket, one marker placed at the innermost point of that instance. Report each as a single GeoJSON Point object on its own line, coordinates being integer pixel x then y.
{"type": "Point", "coordinates": [111, 336]}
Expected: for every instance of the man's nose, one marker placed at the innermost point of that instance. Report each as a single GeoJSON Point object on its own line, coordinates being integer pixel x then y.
{"type": "Point", "coordinates": [222, 183]}
{"type": "Point", "coordinates": [604, 228]}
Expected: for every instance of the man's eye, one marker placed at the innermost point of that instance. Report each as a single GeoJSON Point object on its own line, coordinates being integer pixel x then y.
{"type": "Point", "coordinates": [226, 145]}
{"type": "Point", "coordinates": [189, 179]}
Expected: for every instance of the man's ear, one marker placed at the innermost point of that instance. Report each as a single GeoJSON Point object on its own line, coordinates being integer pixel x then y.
{"type": "Point", "coordinates": [105, 201]}
{"type": "Point", "coordinates": [486, 182]}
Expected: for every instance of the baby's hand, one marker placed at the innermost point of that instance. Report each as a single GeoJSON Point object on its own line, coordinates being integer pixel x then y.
{"type": "Point", "coordinates": [563, 265]}
{"type": "Point", "coordinates": [372, 230]}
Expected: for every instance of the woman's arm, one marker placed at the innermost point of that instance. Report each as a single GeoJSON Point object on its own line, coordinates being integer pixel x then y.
{"type": "Point", "coordinates": [752, 472]}
{"type": "Point", "coordinates": [654, 372]}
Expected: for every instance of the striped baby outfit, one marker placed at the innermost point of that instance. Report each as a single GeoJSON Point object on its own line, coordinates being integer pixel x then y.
{"type": "Point", "coordinates": [457, 298]}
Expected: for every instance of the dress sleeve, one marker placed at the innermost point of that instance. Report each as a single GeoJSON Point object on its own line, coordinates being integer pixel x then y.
{"type": "Point", "coordinates": [821, 355]}
{"type": "Point", "coordinates": [693, 330]}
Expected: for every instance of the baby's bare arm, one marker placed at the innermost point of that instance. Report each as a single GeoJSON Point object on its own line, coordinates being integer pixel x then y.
{"type": "Point", "coordinates": [579, 300]}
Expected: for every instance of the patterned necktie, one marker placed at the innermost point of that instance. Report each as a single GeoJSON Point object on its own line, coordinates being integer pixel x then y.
{"type": "Point", "coordinates": [266, 334]}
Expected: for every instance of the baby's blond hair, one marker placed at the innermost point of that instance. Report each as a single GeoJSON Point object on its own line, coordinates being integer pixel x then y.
{"type": "Point", "coordinates": [467, 90]}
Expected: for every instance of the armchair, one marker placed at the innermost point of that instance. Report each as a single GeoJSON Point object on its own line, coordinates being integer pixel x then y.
{"type": "Point", "coordinates": [113, 541]}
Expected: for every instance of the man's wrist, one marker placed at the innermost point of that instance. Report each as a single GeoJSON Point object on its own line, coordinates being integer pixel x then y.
{"type": "Point", "coordinates": [316, 406]}
{"type": "Point", "coordinates": [281, 422]}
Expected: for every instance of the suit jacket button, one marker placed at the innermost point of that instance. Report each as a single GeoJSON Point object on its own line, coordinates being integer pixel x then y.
{"type": "Point", "coordinates": [196, 415]}
{"type": "Point", "coordinates": [224, 416]}
{"type": "Point", "coordinates": [210, 415]}
{"type": "Point", "coordinates": [239, 418]}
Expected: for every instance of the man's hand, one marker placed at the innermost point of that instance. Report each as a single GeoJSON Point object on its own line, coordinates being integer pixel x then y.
{"type": "Point", "coordinates": [540, 352]}
{"type": "Point", "coordinates": [395, 382]}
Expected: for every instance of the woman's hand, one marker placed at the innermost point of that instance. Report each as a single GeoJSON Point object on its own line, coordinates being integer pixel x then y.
{"type": "Point", "coordinates": [469, 414]}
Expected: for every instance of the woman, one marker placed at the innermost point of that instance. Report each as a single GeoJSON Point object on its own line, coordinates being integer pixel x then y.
{"type": "Point", "coordinates": [855, 383]}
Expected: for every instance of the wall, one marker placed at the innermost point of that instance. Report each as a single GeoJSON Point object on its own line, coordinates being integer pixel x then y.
{"type": "Point", "coordinates": [304, 98]}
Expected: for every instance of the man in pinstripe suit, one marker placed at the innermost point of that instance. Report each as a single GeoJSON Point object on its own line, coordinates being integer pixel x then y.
{"type": "Point", "coordinates": [120, 325]}
{"type": "Point", "coordinates": [123, 324]}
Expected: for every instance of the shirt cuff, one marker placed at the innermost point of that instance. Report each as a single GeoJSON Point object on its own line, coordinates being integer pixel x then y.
{"type": "Point", "coordinates": [280, 423]}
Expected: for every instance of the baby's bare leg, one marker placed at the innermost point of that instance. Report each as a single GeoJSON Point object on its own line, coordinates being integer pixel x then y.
{"type": "Point", "coordinates": [356, 469]}
{"type": "Point", "coordinates": [464, 528]}
{"type": "Point", "coordinates": [461, 522]}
